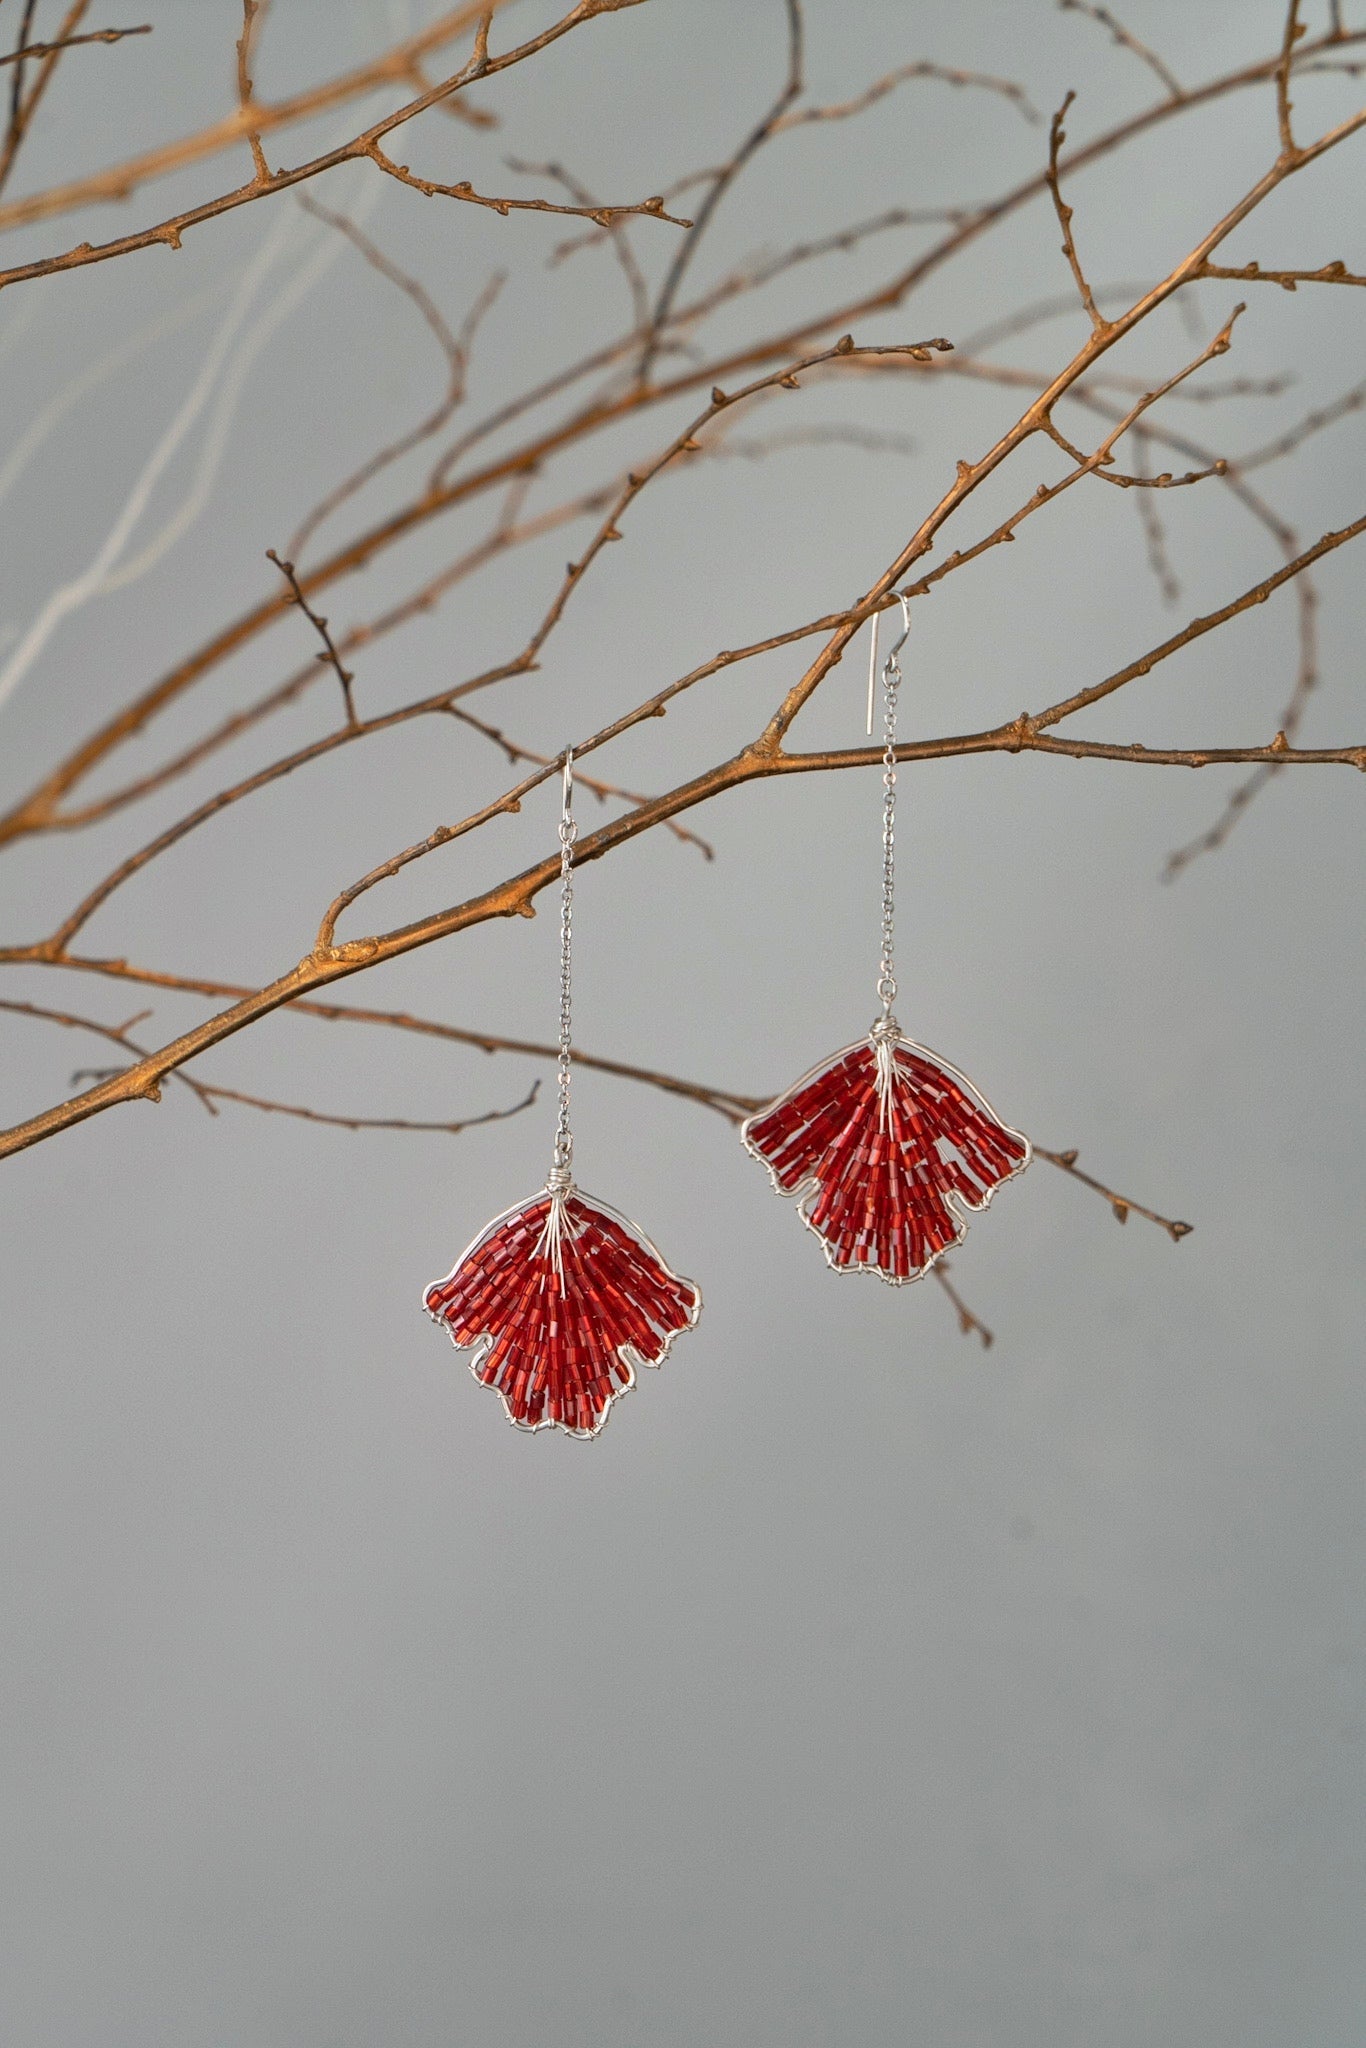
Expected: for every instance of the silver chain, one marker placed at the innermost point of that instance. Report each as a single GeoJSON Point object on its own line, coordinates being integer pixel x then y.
{"type": "Point", "coordinates": [886, 980]}
{"type": "Point", "coordinates": [564, 1139]}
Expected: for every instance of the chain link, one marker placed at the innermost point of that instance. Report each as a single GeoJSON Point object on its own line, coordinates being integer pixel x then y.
{"type": "Point", "coordinates": [886, 980]}
{"type": "Point", "coordinates": [564, 1138]}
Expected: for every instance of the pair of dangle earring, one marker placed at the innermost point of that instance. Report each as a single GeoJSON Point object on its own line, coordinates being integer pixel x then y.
{"type": "Point", "coordinates": [885, 1145]}
{"type": "Point", "coordinates": [560, 1299]}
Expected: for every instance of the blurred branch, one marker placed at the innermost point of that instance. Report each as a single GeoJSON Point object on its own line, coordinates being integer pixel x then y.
{"type": "Point", "coordinates": [455, 349]}
{"type": "Point", "coordinates": [969, 1324]}
{"type": "Point", "coordinates": [733, 1108]}
{"type": "Point", "coordinates": [1305, 681]}
{"type": "Point", "coordinates": [719, 184]}
{"type": "Point", "coordinates": [1234, 479]}
{"type": "Point", "coordinates": [1007, 88]}
{"type": "Point", "coordinates": [1154, 533]}
{"type": "Point", "coordinates": [1126, 41]}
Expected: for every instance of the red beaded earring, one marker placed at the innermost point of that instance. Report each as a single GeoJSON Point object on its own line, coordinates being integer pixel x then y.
{"type": "Point", "coordinates": [884, 1144]}
{"type": "Point", "coordinates": [561, 1298]}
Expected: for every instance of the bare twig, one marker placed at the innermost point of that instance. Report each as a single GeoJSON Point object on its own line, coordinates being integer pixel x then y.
{"type": "Point", "coordinates": [1294, 29]}
{"type": "Point", "coordinates": [169, 233]}
{"type": "Point", "coordinates": [98, 35]}
{"type": "Point", "coordinates": [1097, 463]}
{"type": "Point", "coordinates": [1305, 600]}
{"type": "Point", "coordinates": [515, 754]}
{"type": "Point", "coordinates": [36, 812]}
{"type": "Point", "coordinates": [1196, 630]}
{"type": "Point", "coordinates": [605, 216]}
{"type": "Point", "coordinates": [833, 435]}
{"type": "Point", "coordinates": [760, 269]}
{"type": "Point", "coordinates": [121, 180]}
{"type": "Point", "coordinates": [211, 1094]}
{"type": "Point", "coordinates": [516, 896]}
{"type": "Point", "coordinates": [251, 11]}
{"type": "Point", "coordinates": [16, 57]}
{"type": "Point", "coordinates": [1121, 1206]}
{"type": "Point", "coordinates": [369, 1123]}
{"type": "Point", "coordinates": [329, 655]}
{"type": "Point", "coordinates": [1252, 273]}
{"type": "Point", "coordinates": [1057, 135]}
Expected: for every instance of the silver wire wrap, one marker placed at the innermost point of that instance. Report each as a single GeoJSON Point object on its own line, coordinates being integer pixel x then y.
{"type": "Point", "coordinates": [563, 1158]}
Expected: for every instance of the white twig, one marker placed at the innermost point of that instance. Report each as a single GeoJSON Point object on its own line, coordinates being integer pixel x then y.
{"type": "Point", "coordinates": [228, 360]}
{"type": "Point", "coordinates": [19, 325]}
{"type": "Point", "coordinates": [64, 401]}
{"type": "Point", "coordinates": [69, 597]}
{"type": "Point", "coordinates": [219, 430]}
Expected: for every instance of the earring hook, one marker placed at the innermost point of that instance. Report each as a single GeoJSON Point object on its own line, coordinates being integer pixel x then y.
{"type": "Point", "coordinates": [567, 785]}
{"type": "Point", "coordinates": [905, 629]}
{"type": "Point", "coordinates": [891, 658]}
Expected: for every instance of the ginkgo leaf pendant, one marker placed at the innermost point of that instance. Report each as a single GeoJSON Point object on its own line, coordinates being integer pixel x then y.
{"type": "Point", "coordinates": [560, 1299]}
{"type": "Point", "coordinates": [885, 1146]}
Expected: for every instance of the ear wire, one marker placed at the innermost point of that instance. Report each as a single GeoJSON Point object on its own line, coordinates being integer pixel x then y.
{"type": "Point", "coordinates": [891, 682]}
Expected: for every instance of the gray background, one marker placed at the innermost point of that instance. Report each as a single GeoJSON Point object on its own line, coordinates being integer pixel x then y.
{"type": "Point", "coordinates": [856, 1687]}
